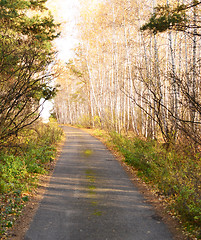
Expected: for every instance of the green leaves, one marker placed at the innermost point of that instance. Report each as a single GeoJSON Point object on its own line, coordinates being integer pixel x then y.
{"type": "Point", "coordinates": [164, 18]}
{"type": "Point", "coordinates": [41, 28]}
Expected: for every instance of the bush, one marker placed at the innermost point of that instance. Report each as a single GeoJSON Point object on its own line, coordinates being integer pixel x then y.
{"type": "Point", "coordinates": [13, 173]}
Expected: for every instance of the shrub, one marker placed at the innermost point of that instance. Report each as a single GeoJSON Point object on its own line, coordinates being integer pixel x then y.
{"type": "Point", "coordinates": [13, 173]}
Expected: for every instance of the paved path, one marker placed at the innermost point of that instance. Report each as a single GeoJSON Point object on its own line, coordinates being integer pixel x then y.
{"type": "Point", "coordinates": [90, 197]}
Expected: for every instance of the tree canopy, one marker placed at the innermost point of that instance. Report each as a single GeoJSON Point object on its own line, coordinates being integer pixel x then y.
{"type": "Point", "coordinates": [176, 17]}
{"type": "Point", "coordinates": [27, 29]}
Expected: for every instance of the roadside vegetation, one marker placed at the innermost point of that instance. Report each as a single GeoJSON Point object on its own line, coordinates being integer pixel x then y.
{"type": "Point", "coordinates": [173, 173]}
{"type": "Point", "coordinates": [27, 31]}
{"type": "Point", "coordinates": [29, 155]}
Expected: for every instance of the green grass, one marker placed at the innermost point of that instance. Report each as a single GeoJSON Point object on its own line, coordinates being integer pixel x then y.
{"type": "Point", "coordinates": [21, 166]}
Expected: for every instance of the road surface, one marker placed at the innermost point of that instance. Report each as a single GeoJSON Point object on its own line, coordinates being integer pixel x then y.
{"type": "Point", "coordinates": [90, 197]}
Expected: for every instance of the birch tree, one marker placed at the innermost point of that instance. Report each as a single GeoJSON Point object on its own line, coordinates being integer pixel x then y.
{"type": "Point", "coordinates": [140, 74]}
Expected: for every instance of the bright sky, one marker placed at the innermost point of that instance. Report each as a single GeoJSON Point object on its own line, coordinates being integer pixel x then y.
{"type": "Point", "coordinates": [65, 12]}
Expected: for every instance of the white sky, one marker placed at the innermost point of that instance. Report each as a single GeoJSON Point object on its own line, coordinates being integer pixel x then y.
{"type": "Point", "coordinates": [65, 12]}
{"type": "Point", "coordinates": [45, 109]}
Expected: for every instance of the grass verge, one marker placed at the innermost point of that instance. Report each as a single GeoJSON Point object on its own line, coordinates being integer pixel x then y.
{"type": "Point", "coordinates": [28, 156]}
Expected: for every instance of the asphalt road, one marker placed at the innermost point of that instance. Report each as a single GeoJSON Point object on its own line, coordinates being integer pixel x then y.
{"type": "Point", "coordinates": [90, 197]}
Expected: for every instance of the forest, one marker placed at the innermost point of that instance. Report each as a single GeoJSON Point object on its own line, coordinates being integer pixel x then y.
{"type": "Point", "coordinates": [134, 79]}
{"type": "Point", "coordinates": [135, 73]}
{"type": "Point", "coordinates": [137, 68]}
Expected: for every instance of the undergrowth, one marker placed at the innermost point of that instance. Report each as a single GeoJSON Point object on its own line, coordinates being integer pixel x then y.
{"type": "Point", "coordinates": [32, 152]}
{"type": "Point", "coordinates": [174, 173]}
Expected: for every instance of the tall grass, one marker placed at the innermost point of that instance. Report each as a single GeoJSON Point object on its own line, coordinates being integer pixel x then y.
{"type": "Point", "coordinates": [21, 165]}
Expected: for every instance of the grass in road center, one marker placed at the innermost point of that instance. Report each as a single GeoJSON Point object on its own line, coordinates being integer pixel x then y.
{"type": "Point", "coordinates": [91, 179]}
{"type": "Point", "coordinates": [90, 175]}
